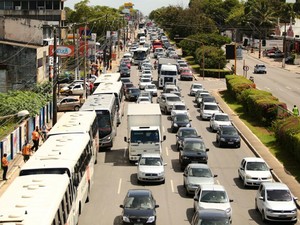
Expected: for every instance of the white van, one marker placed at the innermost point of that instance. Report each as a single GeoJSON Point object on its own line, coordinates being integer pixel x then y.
{"type": "Point", "coordinates": [142, 40]}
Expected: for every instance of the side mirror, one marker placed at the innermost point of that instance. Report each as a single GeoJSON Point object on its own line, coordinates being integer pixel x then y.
{"type": "Point", "coordinates": [122, 206]}
{"type": "Point", "coordinates": [241, 168]}
{"type": "Point", "coordinates": [156, 206]}
{"type": "Point", "coordinates": [230, 200]}
{"type": "Point", "coordinates": [215, 175]}
{"type": "Point", "coordinates": [125, 139]}
{"type": "Point", "coordinates": [196, 198]}
{"type": "Point", "coordinates": [184, 175]}
{"type": "Point", "coordinates": [207, 149]}
{"type": "Point", "coordinates": [261, 198]}
{"type": "Point", "coordinates": [165, 164]}
{"type": "Point", "coordinates": [164, 137]}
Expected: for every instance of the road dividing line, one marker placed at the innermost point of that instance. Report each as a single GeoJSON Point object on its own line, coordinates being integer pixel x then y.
{"type": "Point", "coordinates": [167, 151]}
{"type": "Point", "coordinates": [172, 186]}
{"type": "Point", "coordinates": [163, 129]}
{"type": "Point", "coordinates": [119, 187]}
{"type": "Point", "coordinates": [125, 151]}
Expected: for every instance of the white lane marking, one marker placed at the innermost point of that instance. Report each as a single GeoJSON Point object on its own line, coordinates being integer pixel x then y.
{"type": "Point", "coordinates": [172, 186]}
{"type": "Point", "coordinates": [125, 151]}
{"type": "Point", "coordinates": [167, 151]}
{"type": "Point", "coordinates": [119, 187]}
{"type": "Point", "coordinates": [288, 88]}
{"type": "Point", "coordinates": [163, 129]}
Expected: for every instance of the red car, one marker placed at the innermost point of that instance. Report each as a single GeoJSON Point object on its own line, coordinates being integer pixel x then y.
{"type": "Point", "coordinates": [186, 74]}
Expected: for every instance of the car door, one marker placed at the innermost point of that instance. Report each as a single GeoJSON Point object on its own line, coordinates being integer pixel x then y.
{"type": "Point", "coordinates": [242, 169]}
{"type": "Point", "coordinates": [63, 105]}
{"type": "Point", "coordinates": [197, 199]}
{"type": "Point", "coordinates": [261, 193]}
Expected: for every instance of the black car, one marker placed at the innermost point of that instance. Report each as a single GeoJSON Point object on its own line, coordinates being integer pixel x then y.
{"type": "Point", "coordinates": [125, 80]}
{"type": "Point", "coordinates": [185, 132]}
{"type": "Point", "coordinates": [210, 216]}
{"type": "Point", "coordinates": [180, 120]}
{"type": "Point", "coordinates": [139, 207]}
{"type": "Point", "coordinates": [132, 94]}
{"type": "Point", "coordinates": [193, 151]}
{"type": "Point", "coordinates": [124, 70]}
{"type": "Point", "coordinates": [228, 136]}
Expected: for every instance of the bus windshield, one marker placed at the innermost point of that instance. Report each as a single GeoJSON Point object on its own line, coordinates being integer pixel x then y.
{"type": "Point", "coordinates": [140, 55]}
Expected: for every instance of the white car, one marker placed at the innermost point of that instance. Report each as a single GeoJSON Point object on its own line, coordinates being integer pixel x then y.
{"type": "Point", "coordinates": [179, 108]}
{"type": "Point", "coordinates": [143, 100]}
{"type": "Point", "coordinates": [150, 168]}
{"type": "Point", "coordinates": [275, 202]}
{"type": "Point", "coordinates": [127, 55]}
{"type": "Point", "coordinates": [194, 88]}
{"type": "Point", "coordinates": [196, 174]}
{"type": "Point", "coordinates": [144, 82]}
{"type": "Point", "coordinates": [253, 171]}
{"type": "Point", "coordinates": [152, 89]}
{"type": "Point", "coordinates": [146, 65]}
{"type": "Point", "coordinates": [219, 119]}
{"type": "Point", "coordinates": [212, 196]}
{"type": "Point", "coordinates": [208, 109]}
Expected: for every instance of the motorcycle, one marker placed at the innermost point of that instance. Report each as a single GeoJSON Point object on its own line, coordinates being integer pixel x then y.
{"type": "Point", "coordinates": [251, 78]}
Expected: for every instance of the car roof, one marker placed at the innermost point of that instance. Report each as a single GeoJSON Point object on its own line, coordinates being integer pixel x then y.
{"type": "Point", "coordinates": [210, 103]}
{"type": "Point", "coordinates": [151, 155]}
{"type": "Point", "coordinates": [179, 103]}
{"type": "Point", "coordinates": [193, 140]}
{"type": "Point", "coordinates": [221, 113]}
{"type": "Point", "coordinates": [214, 187]}
{"type": "Point", "coordinates": [212, 213]}
{"type": "Point", "coordinates": [254, 159]}
{"type": "Point", "coordinates": [71, 97]}
{"type": "Point", "coordinates": [169, 95]}
{"type": "Point", "coordinates": [196, 84]}
{"type": "Point", "coordinates": [198, 165]}
{"type": "Point", "coordinates": [275, 185]}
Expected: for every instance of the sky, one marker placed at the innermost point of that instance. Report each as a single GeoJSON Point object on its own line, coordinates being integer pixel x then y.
{"type": "Point", "coordinates": [145, 6]}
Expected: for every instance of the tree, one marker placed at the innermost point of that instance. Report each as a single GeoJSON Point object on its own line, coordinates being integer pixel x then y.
{"type": "Point", "coordinates": [213, 57]}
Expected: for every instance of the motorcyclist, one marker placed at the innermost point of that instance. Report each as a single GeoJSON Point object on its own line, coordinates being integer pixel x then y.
{"type": "Point", "coordinates": [155, 64]}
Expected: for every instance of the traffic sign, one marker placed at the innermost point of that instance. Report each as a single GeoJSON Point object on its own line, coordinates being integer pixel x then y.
{"type": "Point", "coordinates": [245, 68]}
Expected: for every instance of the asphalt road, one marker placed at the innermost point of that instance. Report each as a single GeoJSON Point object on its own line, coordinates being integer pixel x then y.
{"type": "Point", "coordinates": [114, 175]}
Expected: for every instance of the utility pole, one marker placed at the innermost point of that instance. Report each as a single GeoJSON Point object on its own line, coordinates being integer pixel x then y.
{"type": "Point", "coordinates": [84, 66]}
{"type": "Point", "coordinates": [54, 88]}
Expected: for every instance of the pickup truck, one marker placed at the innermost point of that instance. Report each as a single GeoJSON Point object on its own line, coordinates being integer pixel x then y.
{"type": "Point", "coordinates": [260, 68]}
{"type": "Point", "coordinates": [166, 102]}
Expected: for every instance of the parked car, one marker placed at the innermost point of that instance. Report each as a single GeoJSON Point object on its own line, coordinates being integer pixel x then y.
{"type": "Point", "coordinates": [185, 132]}
{"type": "Point", "coordinates": [150, 168]}
{"type": "Point", "coordinates": [139, 207]}
{"type": "Point", "coordinates": [180, 120]}
{"type": "Point", "coordinates": [193, 151]}
{"type": "Point", "coordinates": [260, 68]}
{"type": "Point", "coordinates": [208, 109]}
{"type": "Point", "coordinates": [194, 88]}
{"type": "Point", "coordinates": [76, 89]}
{"type": "Point", "coordinates": [196, 174]}
{"type": "Point", "coordinates": [253, 171]}
{"type": "Point", "coordinates": [70, 103]}
{"type": "Point", "coordinates": [228, 136]}
{"type": "Point", "coordinates": [219, 119]}
{"type": "Point", "coordinates": [275, 202]}
{"type": "Point", "coordinates": [210, 216]}
{"type": "Point", "coordinates": [212, 196]}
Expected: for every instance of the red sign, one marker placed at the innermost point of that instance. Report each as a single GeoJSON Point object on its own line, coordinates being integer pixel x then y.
{"type": "Point", "coordinates": [62, 50]}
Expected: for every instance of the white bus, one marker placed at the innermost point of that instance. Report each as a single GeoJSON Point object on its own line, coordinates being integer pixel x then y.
{"type": "Point", "coordinates": [106, 78]}
{"type": "Point", "coordinates": [69, 154]}
{"type": "Point", "coordinates": [47, 199]}
{"type": "Point", "coordinates": [115, 88]}
{"type": "Point", "coordinates": [139, 55]}
{"type": "Point", "coordinates": [79, 123]}
{"type": "Point", "coordinates": [106, 110]}
{"type": "Point", "coordinates": [168, 73]}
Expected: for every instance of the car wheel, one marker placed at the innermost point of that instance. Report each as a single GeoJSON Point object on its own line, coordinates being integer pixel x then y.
{"type": "Point", "coordinates": [263, 218]}
{"type": "Point", "coordinates": [177, 146]}
{"type": "Point", "coordinates": [166, 111]}
{"type": "Point", "coordinates": [164, 181]}
{"type": "Point", "coordinates": [219, 144]}
{"type": "Point", "coordinates": [256, 208]}
{"type": "Point", "coordinates": [238, 146]}
{"type": "Point", "coordinates": [76, 108]}
{"type": "Point", "coordinates": [186, 192]}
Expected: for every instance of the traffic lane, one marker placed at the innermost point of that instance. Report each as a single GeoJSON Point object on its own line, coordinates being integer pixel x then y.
{"type": "Point", "coordinates": [280, 82]}
{"type": "Point", "coordinates": [224, 162]}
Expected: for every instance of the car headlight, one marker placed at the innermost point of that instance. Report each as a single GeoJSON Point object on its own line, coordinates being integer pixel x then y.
{"type": "Point", "coordinates": [269, 210]}
{"type": "Point", "coordinates": [270, 177]}
{"type": "Point", "coordinates": [222, 139]}
{"type": "Point", "coordinates": [185, 157]}
{"type": "Point", "coordinates": [151, 219]}
{"type": "Point", "coordinates": [161, 174]}
{"type": "Point", "coordinates": [248, 176]}
{"type": "Point", "coordinates": [126, 219]}
{"type": "Point", "coordinates": [294, 211]}
{"type": "Point", "coordinates": [188, 125]}
{"type": "Point", "coordinates": [228, 210]}
{"type": "Point", "coordinates": [175, 125]}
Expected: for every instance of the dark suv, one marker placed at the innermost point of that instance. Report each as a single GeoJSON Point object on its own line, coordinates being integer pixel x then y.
{"type": "Point", "coordinates": [132, 94]}
{"type": "Point", "coordinates": [210, 216]}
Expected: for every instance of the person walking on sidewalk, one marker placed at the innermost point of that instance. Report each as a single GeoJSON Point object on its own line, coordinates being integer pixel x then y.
{"type": "Point", "coordinates": [26, 151]}
{"type": "Point", "coordinates": [35, 136]}
{"type": "Point", "coordinates": [295, 111]}
{"type": "Point", "coordinates": [4, 163]}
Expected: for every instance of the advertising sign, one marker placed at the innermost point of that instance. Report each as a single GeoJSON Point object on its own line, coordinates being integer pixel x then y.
{"type": "Point", "coordinates": [62, 50]}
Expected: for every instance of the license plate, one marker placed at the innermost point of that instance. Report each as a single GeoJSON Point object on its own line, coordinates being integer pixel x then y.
{"type": "Point", "coordinates": [138, 224]}
{"type": "Point", "coordinates": [282, 215]}
{"type": "Point", "coordinates": [230, 143]}
{"type": "Point", "coordinates": [194, 161]}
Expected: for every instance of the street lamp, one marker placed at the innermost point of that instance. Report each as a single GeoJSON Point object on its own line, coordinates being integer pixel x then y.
{"type": "Point", "coordinates": [18, 114]}
{"type": "Point", "coordinates": [203, 61]}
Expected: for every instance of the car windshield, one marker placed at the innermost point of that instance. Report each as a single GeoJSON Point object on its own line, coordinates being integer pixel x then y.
{"type": "Point", "coordinates": [199, 172]}
{"type": "Point", "coordinates": [197, 86]}
{"type": "Point", "coordinates": [173, 99]}
{"type": "Point", "coordinates": [181, 118]}
{"type": "Point", "coordinates": [138, 202]}
{"type": "Point", "coordinates": [211, 107]}
{"type": "Point", "coordinates": [143, 99]}
{"type": "Point", "coordinates": [257, 166]}
{"type": "Point", "coordinates": [179, 107]}
{"type": "Point", "coordinates": [150, 87]}
{"type": "Point", "coordinates": [189, 133]}
{"type": "Point", "coordinates": [279, 195]}
{"type": "Point", "coordinates": [211, 196]}
{"type": "Point", "coordinates": [230, 131]}
{"type": "Point", "coordinates": [194, 146]}
{"type": "Point", "coordinates": [221, 118]}
{"type": "Point", "coordinates": [150, 161]}
{"type": "Point", "coordinates": [186, 71]}
{"type": "Point", "coordinates": [134, 91]}
{"type": "Point", "coordinates": [145, 80]}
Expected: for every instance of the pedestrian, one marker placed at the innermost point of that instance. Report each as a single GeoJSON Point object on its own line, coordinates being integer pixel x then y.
{"type": "Point", "coordinates": [44, 132]}
{"type": "Point", "coordinates": [110, 64]}
{"type": "Point", "coordinates": [295, 111]}
{"type": "Point", "coordinates": [35, 136]}
{"type": "Point", "coordinates": [26, 151]}
{"type": "Point", "coordinates": [4, 163]}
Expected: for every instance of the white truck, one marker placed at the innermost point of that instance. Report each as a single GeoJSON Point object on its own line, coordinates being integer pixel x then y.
{"type": "Point", "coordinates": [144, 130]}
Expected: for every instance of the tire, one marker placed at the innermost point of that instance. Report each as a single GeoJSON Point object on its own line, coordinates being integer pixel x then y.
{"type": "Point", "coordinates": [256, 208]}
{"type": "Point", "coordinates": [263, 216]}
{"type": "Point", "coordinates": [76, 108]}
{"type": "Point", "coordinates": [166, 111]}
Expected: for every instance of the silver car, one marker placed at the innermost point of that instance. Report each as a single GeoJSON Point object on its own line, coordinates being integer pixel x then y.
{"type": "Point", "coordinates": [150, 168]}
{"type": "Point", "coordinates": [196, 174]}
